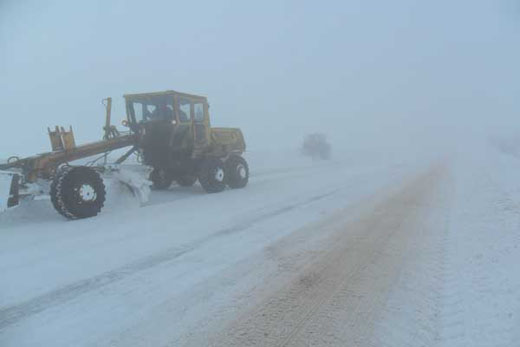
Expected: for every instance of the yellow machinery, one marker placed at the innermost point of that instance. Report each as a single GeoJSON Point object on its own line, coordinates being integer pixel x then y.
{"type": "Point", "coordinates": [169, 130]}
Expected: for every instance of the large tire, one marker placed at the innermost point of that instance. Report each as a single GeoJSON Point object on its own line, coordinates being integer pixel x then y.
{"type": "Point", "coordinates": [237, 172]}
{"type": "Point", "coordinates": [77, 192]}
{"type": "Point", "coordinates": [186, 180]}
{"type": "Point", "coordinates": [212, 175]}
{"type": "Point", "coordinates": [161, 179]}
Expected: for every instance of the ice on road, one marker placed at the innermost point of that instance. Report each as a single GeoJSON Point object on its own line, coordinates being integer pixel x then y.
{"type": "Point", "coordinates": [389, 251]}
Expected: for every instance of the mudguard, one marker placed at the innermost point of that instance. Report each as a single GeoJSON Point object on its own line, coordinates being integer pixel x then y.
{"type": "Point", "coordinates": [231, 139]}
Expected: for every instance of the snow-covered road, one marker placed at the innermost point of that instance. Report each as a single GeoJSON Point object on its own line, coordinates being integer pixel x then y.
{"type": "Point", "coordinates": [348, 252]}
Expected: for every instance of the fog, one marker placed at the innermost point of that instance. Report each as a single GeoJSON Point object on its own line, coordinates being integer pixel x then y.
{"type": "Point", "coordinates": [377, 202]}
{"type": "Point", "coordinates": [367, 73]}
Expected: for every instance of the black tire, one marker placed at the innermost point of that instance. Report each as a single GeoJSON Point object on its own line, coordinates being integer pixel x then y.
{"type": "Point", "coordinates": [186, 180]}
{"type": "Point", "coordinates": [237, 172]}
{"type": "Point", "coordinates": [161, 179]}
{"type": "Point", "coordinates": [212, 175]}
{"type": "Point", "coordinates": [77, 192]}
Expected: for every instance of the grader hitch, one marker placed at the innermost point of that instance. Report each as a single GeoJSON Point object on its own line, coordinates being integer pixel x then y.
{"type": "Point", "coordinates": [19, 175]}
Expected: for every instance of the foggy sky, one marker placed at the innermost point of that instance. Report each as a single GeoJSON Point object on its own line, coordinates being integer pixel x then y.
{"type": "Point", "coordinates": [363, 72]}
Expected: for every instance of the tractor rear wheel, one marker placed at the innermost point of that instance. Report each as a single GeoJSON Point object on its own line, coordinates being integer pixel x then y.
{"type": "Point", "coordinates": [212, 175]}
{"type": "Point", "coordinates": [161, 178]}
{"type": "Point", "coordinates": [186, 180]}
{"type": "Point", "coordinates": [77, 192]}
{"type": "Point", "coordinates": [237, 172]}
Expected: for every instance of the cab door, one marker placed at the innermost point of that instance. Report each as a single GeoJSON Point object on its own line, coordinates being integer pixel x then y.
{"type": "Point", "coordinates": [201, 134]}
{"type": "Point", "coordinates": [183, 133]}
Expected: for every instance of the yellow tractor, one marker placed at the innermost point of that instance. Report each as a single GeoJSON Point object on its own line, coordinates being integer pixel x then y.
{"type": "Point", "coordinates": [169, 131]}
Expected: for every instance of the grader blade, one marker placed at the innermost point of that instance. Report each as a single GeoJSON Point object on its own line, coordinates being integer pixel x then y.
{"type": "Point", "coordinates": [9, 190]}
{"type": "Point", "coordinates": [136, 181]}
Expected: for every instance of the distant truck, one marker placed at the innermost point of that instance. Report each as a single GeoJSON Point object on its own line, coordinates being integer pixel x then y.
{"type": "Point", "coordinates": [316, 146]}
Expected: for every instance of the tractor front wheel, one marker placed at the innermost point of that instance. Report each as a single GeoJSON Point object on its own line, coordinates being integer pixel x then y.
{"type": "Point", "coordinates": [77, 192]}
{"type": "Point", "coordinates": [212, 175]}
{"type": "Point", "coordinates": [161, 179]}
{"type": "Point", "coordinates": [237, 172]}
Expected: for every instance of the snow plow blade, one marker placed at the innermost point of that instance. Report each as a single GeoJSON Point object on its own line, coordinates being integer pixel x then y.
{"type": "Point", "coordinates": [139, 186]}
{"type": "Point", "coordinates": [9, 190]}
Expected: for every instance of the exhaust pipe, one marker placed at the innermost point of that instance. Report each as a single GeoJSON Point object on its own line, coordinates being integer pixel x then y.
{"type": "Point", "coordinates": [9, 190]}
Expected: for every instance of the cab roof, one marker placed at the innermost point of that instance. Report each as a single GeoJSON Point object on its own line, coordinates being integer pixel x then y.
{"type": "Point", "coordinates": [166, 92]}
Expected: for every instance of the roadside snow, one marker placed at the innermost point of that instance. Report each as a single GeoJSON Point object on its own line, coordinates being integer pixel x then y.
{"type": "Point", "coordinates": [462, 285]}
{"type": "Point", "coordinates": [481, 291]}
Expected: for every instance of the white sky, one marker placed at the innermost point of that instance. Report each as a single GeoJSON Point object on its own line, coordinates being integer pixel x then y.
{"type": "Point", "coordinates": [363, 72]}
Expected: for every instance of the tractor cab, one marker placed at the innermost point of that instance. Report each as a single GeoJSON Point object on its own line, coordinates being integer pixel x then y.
{"type": "Point", "coordinates": [169, 124]}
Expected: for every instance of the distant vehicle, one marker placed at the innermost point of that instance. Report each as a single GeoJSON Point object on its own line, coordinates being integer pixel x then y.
{"type": "Point", "coordinates": [169, 130]}
{"type": "Point", "coordinates": [316, 146]}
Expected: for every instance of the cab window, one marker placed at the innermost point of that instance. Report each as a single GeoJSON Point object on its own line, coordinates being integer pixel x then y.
{"type": "Point", "coordinates": [151, 108]}
{"type": "Point", "coordinates": [198, 110]}
{"type": "Point", "coordinates": [184, 110]}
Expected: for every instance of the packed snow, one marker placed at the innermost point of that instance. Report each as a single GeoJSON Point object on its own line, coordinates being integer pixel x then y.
{"type": "Point", "coordinates": [183, 267]}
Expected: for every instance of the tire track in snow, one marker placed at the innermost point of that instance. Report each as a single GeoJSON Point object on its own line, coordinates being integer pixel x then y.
{"type": "Point", "coordinates": [338, 299]}
{"type": "Point", "coordinates": [414, 309]}
{"type": "Point", "coordinates": [13, 314]}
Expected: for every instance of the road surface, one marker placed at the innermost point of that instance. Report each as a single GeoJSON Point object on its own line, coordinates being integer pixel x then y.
{"type": "Point", "coordinates": [342, 253]}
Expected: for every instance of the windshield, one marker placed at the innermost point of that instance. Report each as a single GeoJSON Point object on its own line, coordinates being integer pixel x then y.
{"type": "Point", "coordinates": [151, 108]}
